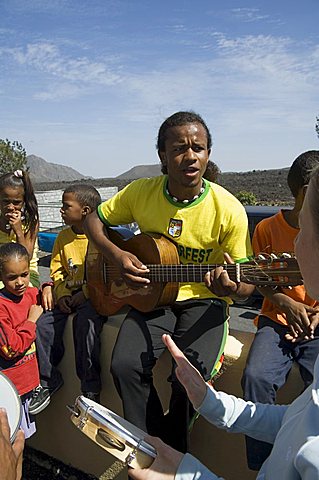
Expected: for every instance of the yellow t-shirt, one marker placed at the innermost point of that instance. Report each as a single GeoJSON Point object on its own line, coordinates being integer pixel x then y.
{"type": "Point", "coordinates": [203, 230]}
{"type": "Point", "coordinates": [67, 267]}
{"type": "Point", "coordinates": [34, 272]}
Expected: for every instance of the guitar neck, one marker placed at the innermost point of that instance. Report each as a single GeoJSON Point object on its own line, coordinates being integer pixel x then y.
{"type": "Point", "coordinates": [189, 272]}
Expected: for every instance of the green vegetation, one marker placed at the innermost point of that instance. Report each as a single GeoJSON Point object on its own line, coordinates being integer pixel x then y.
{"type": "Point", "coordinates": [12, 156]}
{"type": "Point", "coordinates": [246, 198]}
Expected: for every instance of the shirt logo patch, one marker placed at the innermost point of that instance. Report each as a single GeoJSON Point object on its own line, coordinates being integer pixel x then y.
{"type": "Point", "coordinates": [175, 227]}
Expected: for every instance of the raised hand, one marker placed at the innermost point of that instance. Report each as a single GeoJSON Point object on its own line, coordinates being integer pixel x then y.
{"type": "Point", "coordinates": [14, 219]}
{"type": "Point", "coordinates": [192, 380]}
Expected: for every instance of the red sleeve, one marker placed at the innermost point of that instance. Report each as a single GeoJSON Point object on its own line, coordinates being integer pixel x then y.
{"type": "Point", "coordinates": [15, 339]}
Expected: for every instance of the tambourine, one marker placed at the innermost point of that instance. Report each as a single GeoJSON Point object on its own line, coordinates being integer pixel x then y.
{"type": "Point", "coordinates": [10, 400]}
{"type": "Point", "coordinates": [111, 432]}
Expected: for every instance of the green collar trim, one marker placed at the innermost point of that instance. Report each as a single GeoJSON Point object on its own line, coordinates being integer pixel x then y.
{"type": "Point", "coordinates": [181, 204]}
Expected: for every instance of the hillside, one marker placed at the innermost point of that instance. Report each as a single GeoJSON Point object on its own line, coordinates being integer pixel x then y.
{"type": "Point", "coordinates": [141, 171]}
{"type": "Point", "coordinates": [42, 171]}
{"type": "Point", "coordinates": [269, 186]}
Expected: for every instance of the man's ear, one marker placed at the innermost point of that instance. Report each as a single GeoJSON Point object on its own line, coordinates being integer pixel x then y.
{"type": "Point", "coordinates": [303, 191]}
{"type": "Point", "coordinates": [162, 156]}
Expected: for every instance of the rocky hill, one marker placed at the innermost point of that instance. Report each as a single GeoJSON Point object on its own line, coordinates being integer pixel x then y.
{"type": "Point", "coordinates": [42, 171]}
{"type": "Point", "coordinates": [268, 186]}
{"type": "Point", "coordinates": [141, 171]}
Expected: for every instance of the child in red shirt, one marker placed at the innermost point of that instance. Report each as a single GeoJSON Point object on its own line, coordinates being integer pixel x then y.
{"type": "Point", "coordinates": [19, 312]}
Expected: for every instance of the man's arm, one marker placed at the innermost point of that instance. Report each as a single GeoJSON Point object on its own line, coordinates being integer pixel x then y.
{"type": "Point", "coordinates": [130, 267]}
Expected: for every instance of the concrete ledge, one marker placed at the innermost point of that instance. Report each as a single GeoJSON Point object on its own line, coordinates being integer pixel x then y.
{"type": "Point", "coordinates": [57, 436]}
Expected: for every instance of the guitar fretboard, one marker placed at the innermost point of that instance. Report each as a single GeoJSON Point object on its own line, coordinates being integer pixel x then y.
{"type": "Point", "coordinates": [188, 273]}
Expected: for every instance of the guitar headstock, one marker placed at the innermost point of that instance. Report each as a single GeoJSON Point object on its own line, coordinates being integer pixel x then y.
{"type": "Point", "coordinates": [272, 271]}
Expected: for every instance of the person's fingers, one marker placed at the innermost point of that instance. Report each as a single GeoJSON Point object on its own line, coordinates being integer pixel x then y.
{"type": "Point", "coordinates": [187, 374]}
{"type": "Point", "coordinates": [4, 425]}
{"type": "Point", "coordinates": [228, 258]}
{"type": "Point", "coordinates": [18, 444]}
{"type": "Point", "coordinates": [176, 353]}
{"type": "Point", "coordinates": [18, 447]}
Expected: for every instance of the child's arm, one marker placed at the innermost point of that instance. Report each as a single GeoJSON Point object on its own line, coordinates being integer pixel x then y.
{"type": "Point", "coordinates": [65, 304]}
{"type": "Point", "coordinates": [35, 313]}
{"type": "Point", "coordinates": [47, 297]}
{"type": "Point", "coordinates": [78, 298]}
{"type": "Point", "coordinates": [27, 239]}
{"type": "Point", "coordinates": [297, 314]}
{"type": "Point", "coordinates": [15, 341]}
{"type": "Point", "coordinates": [59, 274]}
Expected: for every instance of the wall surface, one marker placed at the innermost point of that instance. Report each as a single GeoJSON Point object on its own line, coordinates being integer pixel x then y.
{"type": "Point", "coordinates": [49, 203]}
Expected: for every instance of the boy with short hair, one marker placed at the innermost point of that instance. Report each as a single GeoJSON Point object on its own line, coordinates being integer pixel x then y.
{"type": "Point", "coordinates": [286, 313]}
{"type": "Point", "coordinates": [67, 270]}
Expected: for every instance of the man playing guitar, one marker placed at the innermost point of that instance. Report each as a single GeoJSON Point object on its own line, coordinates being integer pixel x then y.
{"type": "Point", "coordinates": [207, 225]}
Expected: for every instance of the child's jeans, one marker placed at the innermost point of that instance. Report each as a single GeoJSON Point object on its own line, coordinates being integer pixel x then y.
{"type": "Point", "coordinates": [87, 327]}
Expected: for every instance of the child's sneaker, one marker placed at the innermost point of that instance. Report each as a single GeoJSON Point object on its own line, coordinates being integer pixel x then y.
{"type": "Point", "coordinates": [41, 398]}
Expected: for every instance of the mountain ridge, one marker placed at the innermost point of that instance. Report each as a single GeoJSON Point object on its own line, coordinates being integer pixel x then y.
{"type": "Point", "coordinates": [269, 186]}
{"type": "Point", "coordinates": [42, 171]}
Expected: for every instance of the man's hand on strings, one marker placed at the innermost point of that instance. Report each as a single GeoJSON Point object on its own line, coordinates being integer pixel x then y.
{"type": "Point", "coordinates": [132, 270]}
{"type": "Point", "coordinates": [219, 282]}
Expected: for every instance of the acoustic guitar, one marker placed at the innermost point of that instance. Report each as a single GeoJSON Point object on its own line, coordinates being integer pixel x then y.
{"type": "Point", "coordinates": [109, 293]}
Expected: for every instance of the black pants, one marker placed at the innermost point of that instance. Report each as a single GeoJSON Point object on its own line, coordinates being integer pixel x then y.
{"type": "Point", "coordinates": [199, 328]}
{"type": "Point", "coordinates": [87, 327]}
{"type": "Point", "coordinates": [269, 362]}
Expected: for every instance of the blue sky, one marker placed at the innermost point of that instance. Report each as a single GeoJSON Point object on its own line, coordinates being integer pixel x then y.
{"type": "Point", "coordinates": [88, 83]}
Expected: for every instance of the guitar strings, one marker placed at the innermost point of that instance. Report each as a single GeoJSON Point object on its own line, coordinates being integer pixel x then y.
{"type": "Point", "coordinates": [200, 268]}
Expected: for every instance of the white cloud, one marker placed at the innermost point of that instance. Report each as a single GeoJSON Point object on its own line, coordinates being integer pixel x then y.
{"type": "Point", "coordinates": [47, 58]}
{"type": "Point", "coordinates": [60, 91]}
{"type": "Point", "coordinates": [248, 14]}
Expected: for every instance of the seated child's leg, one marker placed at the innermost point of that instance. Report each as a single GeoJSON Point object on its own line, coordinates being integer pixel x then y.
{"type": "Point", "coordinates": [50, 347]}
{"type": "Point", "coordinates": [87, 327]}
{"type": "Point", "coordinates": [50, 350]}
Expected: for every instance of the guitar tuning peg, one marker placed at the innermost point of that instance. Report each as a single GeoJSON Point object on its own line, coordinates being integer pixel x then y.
{"type": "Point", "coordinates": [286, 255]}
{"type": "Point", "coordinates": [261, 257]}
{"type": "Point", "coordinates": [272, 255]}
